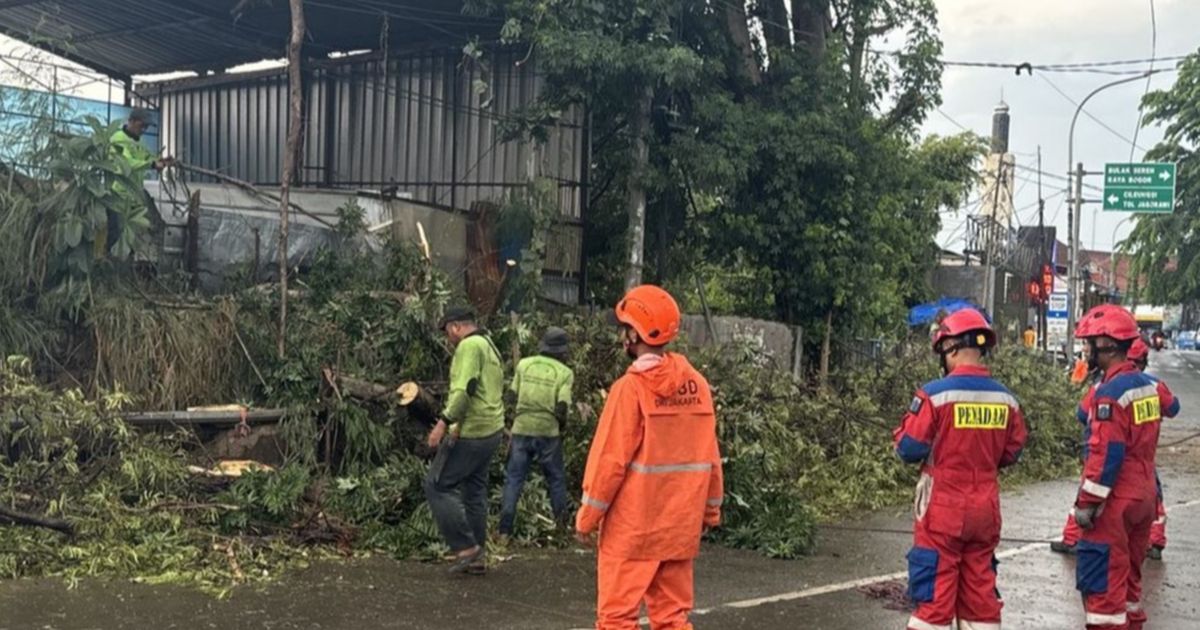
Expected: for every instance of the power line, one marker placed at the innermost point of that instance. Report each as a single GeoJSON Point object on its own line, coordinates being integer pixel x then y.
{"type": "Point", "coordinates": [1058, 210]}
{"type": "Point", "coordinates": [955, 122]}
{"type": "Point", "coordinates": [957, 234]}
{"type": "Point", "coordinates": [1089, 114]}
{"type": "Point", "coordinates": [387, 6]}
{"type": "Point", "coordinates": [1137, 128]}
{"type": "Point", "coordinates": [1079, 67]}
{"type": "Point", "coordinates": [1034, 205]}
{"type": "Point", "coordinates": [1013, 197]}
{"type": "Point", "coordinates": [970, 204]}
{"type": "Point", "coordinates": [1059, 177]}
{"type": "Point", "coordinates": [1095, 67]}
{"type": "Point", "coordinates": [1126, 62]}
{"type": "Point", "coordinates": [1030, 68]}
{"type": "Point", "coordinates": [1091, 187]}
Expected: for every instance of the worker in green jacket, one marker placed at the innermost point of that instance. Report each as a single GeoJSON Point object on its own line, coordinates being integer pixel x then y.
{"type": "Point", "coordinates": [541, 394]}
{"type": "Point", "coordinates": [127, 141]}
{"type": "Point", "coordinates": [467, 437]}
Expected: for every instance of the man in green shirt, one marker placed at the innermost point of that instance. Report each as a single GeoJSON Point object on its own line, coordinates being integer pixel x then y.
{"type": "Point", "coordinates": [127, 141]}
{"type": "Point", "coordinates": [466, 436]}
{"type": "Point", "coordinates": [541, 393]}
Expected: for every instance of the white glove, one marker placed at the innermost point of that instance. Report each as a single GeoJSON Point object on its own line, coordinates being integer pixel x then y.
{"type": "Point", "coordinates": [924, 492]}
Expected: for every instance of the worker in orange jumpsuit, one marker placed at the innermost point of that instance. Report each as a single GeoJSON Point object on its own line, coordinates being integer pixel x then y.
{"type": "Point", "coordinates": [653, 481]}
{"type": "Point", "coordinates": [1139, 353]}
{"type": "Point", "coordinates": [962, 429]}
{"type": "Point", "coordinates": [1115, 505]}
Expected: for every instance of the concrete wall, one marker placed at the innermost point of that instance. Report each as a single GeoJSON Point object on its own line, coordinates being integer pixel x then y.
{"type": "Point", "coordinates": [775, 341]}
{"type": "Point", "coordinates": [445, 231]}
{"type": "Point", "coordinates": [960, 282]}
{"type": "Point", "coordinates": [1009, 310]}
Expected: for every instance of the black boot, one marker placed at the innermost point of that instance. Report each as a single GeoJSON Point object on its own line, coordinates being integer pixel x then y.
{"type": "Point", "coordinates": [1061, 547]}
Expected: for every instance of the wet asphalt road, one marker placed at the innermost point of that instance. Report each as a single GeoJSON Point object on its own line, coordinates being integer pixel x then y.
{"type": "Point", "coordinates": [554, 590]}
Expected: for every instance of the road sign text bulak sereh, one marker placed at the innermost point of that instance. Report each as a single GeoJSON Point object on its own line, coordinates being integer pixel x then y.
{"type": "Point", "coordinates": [1139, 187]}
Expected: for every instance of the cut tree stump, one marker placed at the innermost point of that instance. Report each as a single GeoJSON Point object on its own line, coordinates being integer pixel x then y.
{"type": "Point", "coordinates": [421, 405]}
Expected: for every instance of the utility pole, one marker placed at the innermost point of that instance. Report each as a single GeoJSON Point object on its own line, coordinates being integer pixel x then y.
{"type": "Point", "coordinates": [1043, 258]}
{"type": "Point", "coordinates": [1073, 281]}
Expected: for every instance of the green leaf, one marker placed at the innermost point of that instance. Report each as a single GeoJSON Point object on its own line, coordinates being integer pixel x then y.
{"type": "Point", "coordinates": [73, 232]}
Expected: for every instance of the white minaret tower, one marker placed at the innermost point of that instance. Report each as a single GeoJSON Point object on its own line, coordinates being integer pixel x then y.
{"type": "Point", "coordinates": [998, 168]}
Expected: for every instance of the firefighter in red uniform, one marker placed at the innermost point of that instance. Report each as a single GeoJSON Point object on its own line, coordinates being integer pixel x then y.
{"type": "Point", "coordinates": [1139, 353]}
{"type": "Point", "coordinates": [1115, 506]}
{"type": "Point", "coordinates": [962, 429]}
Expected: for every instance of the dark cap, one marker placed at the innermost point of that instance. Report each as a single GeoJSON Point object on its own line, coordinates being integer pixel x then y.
{"type": "Point", "coordinates": [142, 114]}
{"type": "Point", "coordinates": [456, 314]}
{"type": "Point", "coordinates": [554, 341]}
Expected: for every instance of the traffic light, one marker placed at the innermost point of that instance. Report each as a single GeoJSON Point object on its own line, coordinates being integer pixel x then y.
{"type": "Point", "coordinates": [1047, 281]}
{"type": "Point", "coordinates": [1035, 291]}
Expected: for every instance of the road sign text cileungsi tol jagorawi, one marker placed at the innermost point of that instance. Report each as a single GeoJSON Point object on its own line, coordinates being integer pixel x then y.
{"type": "Point", "coordinates": [1139, 187]}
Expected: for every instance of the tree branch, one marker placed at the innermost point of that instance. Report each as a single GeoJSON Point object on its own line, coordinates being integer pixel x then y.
{"type": "Point", "coordinates": [32, 520]}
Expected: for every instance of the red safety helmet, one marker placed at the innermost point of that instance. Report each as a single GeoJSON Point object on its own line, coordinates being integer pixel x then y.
{"type": "Point", "coordinates": [1139, 351]}
{"type": "Point", "coordinates": [651, 312]}
{"type": "Point", "coordinates": [963, 323]}
{"type": "Point", "coordinates": [1108, 320]}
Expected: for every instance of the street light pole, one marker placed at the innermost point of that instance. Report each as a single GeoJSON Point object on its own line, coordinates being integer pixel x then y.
{"type": "Point", "coordinates": [1075, 213]}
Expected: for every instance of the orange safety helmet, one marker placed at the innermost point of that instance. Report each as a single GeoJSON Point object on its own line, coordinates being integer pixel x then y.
{"type": "Point", "coordinates": [1139, 351]}
{"type": "Point", "coordinates": [962, 323]}
{"type": "Point", "coordinates": [651, 312]}
{"type": "Point", "coordinates": [1108, 320]}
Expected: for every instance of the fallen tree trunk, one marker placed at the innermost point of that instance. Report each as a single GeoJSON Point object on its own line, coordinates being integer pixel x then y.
{"type": "Point", "coordinates": [399, 297]}
{"type": "Point", "coordinates": [154, 418]}
{"type": "Point", "coordinates": [356, 387]}
{"type": "Point", "coordinates": [14, 517]}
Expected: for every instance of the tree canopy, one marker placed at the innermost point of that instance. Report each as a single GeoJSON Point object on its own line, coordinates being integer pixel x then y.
{"type": "Point", "coordinates": [783, 172]}
{"type": "Point", "coordinates": [1166, 248]}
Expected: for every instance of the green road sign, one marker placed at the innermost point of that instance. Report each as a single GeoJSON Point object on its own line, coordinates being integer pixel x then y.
{"type": "Point", "coordinates": [1139, 187]}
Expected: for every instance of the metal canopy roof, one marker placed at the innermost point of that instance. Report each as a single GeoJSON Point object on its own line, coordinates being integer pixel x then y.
{"type": "Point", "coordinates": [122, 38]}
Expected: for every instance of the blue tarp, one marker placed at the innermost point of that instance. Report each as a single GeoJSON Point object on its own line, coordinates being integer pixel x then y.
{"type": "Point", "coordinates": [923, 314]}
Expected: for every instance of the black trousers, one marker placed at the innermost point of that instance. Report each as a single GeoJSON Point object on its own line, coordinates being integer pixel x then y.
{"type": "Point", "coordinates": [456, 488]}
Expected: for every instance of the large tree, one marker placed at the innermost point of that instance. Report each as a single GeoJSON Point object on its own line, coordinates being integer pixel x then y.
{"type": "Point", "coordinates": [1166, 248]}
{"type": "Point", "coordinates": [781, 164]}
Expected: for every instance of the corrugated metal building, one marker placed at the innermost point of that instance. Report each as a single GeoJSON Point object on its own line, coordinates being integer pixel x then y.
{"type": "Point", "coordinates": [421, 124]}
{"type": "Point", "coordinates": [426, 123]}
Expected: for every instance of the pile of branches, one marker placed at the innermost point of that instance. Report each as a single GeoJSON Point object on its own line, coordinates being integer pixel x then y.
{"type": "Point", "coordinates": [124, 503]}
{"type": "Point", "coordinates": [85, 495]}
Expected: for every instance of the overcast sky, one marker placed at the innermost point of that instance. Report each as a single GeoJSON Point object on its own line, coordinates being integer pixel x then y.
{"type": "Point", "coordinates": [1041, 32]}
{"type": "Point", "coordinates": [1045, 32]}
